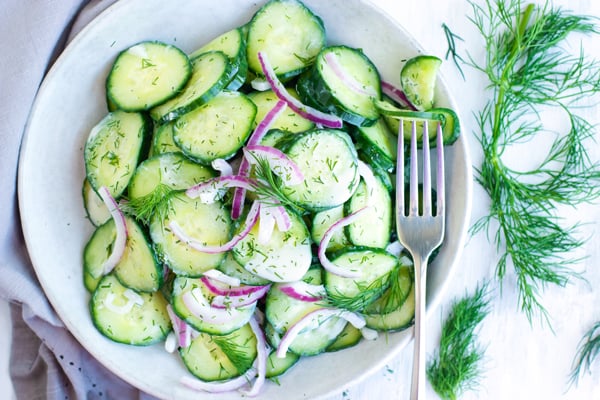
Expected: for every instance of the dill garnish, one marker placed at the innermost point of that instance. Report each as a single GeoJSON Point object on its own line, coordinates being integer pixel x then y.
{"type": "Point", "coordinates": [587, 351]}
{"type": "Point", "coordinates": [455, 367]}
{"type": "Point", "coordinates": [155, 202]}
{"type": "Point", "coordinates": [238, 355]}
{"type": "Point", "coordinates": [451, 40]}
{"type": "Point", "coordinates": [530, 71]}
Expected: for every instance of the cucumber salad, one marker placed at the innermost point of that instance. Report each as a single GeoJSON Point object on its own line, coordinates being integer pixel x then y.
{"type": "Point", "coordinates": [242, 196]}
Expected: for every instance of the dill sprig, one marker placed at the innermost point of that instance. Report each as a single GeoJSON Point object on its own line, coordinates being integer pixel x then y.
{"type": "Point", "coordinates": [366, 295]}
{"type": "Point", "coordinates": [587, 351]}
{"type": "Point", "coordinates": [451, 38]}
{"type": "Point", "coordinates": [238, 355]}
{"type": "Point", "coordinates": [529, 69]}
{"type": "Point", "coordinates": [456, 366]}
{"type": "Point", "coordinates": [155, 202]}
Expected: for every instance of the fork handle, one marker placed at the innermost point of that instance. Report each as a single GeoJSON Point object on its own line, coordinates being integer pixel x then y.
{"type": "Point", "coordinates": [417, 390]}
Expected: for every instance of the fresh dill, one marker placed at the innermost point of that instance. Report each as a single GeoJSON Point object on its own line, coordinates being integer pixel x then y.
{"type": "Point", "coordinates": [237, 354]}
{"type": "Point", "coordinates": [587, 351]}
{"type": "Point", "coordinates": [530, 71]}
{"type": "Point", "coordinates": [155, 202]}
{"type": "Point", "coordinates": [456, 366]}
{"type": "Point", "coordinates": [451, 38]}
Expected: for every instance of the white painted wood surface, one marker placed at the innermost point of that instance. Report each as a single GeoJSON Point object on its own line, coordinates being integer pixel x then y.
{"type": "Point", "coordinates": [522, 361]}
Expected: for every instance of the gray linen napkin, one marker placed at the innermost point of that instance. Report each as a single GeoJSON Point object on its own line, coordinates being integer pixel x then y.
{"type": "Point", "coordinates": [46, 361]}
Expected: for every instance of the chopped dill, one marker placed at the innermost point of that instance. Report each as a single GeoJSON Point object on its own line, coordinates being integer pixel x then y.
{"type": "Point", "coordinates": [587, 351]}
{"type": "Point", "coordinates": [456, 366]}
{"type": "Point", "coordinates": [155, 202]}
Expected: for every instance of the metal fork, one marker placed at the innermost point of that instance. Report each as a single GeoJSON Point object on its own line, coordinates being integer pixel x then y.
{"type": "Point", "coordinates": [419, 233]}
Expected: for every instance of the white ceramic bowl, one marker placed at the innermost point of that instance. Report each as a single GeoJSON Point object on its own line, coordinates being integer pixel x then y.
{"type": "Point", "coordinates": [71, 100]}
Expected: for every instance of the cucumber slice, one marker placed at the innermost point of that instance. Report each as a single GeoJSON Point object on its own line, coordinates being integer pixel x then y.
{"type": "Point", "coordinates": [113, 149]}
{"type": "Point", "coordinates": [288, 120]}
{"type": "Point", "coordinates": [147, 74]}
{"type": "Point", "coordinates": [232, 268]}
{"type": "Point", "coordinates": [162, 140]}
{"type": "Point", "coordinates": [205, 222]}
{"type": "Point", "coordinates": [138, 268]}
{"type": "Point", "coordinates": [171, 169]}
{"type": "Point", "coordinates": [395, 296]}
{"type": "Point", "coordinates": [374, 227]}
{"type": "Point", "coordinates": [284, 258]}
{"type": "Point", "coordinates": [373, 265]}
{"type": "Point", "coordinates": [328, 85]}
{"type": "Point", "coordinates": [182, 285]}
{"type": "Point", "coordinates": [418, 77]}
{"type": "Point", "coordinates": [396, 320]}
{"type": "Point", "coordinates": [217, 129]}
{"type": "Point", "coordinates": [349, 337]}
{"type": "Point", "coordinates": [211, 72]}
{"type": "Point", "coordinates": [283, 311]}
{"type": "Point", "coordinates": [96, 210]}
{"type": "Point", "coordinates": [322, 221]}
{"type": "Point", "coordinates": [329, 162]}
{"type": "Point", "coordinates": [288, 33]}
{"type": "Point", "coordinates": [141, 325]}
{"type": "Point", "coordinates": [278, 366]}
{"type": "Point", "coordinates": [233, 44]}
{"type": "Point", "coordinates": [220, 357]}
{"type": "Point", "coordinates": [378, 143]}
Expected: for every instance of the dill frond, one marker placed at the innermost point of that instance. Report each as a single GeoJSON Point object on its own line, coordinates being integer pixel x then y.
{"type": "Point", "coordinates": [155, 202]}
{"type": "Point", "coordinates": [456, 366]}
{"type": "Point", "coordinates": [587, 351]}
{"type": "Point", "coordinates": [528, 67]}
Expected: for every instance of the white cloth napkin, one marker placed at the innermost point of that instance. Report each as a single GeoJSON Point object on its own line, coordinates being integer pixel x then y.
{"type": "Point", "coordinates": [46, 361]}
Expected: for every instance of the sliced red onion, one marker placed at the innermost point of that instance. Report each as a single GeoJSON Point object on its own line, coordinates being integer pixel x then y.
{"type": "Point", "coordinates": [181, 329]}
{"type": "Point", "coordinates": [312, 114]}
{"type": "Point", "coordinates": [303, 291]}
{"type": "Point", "coordinates": [109, 302]}
{"type": "Point", "coordinates": [347, 79]}
{"type": "Point", "coordinates": [266, 225]}
{"type": "Point", "coordinates": [199, 306]}
{"type": "Point", "coordinates": [282, 218]}
{"type": "Point", "coordinates": [256, 137]}
{"type": "Point", "coordinates": [222, 166]}
{"type": "Point", "coordinates": [260, 84]}
{"type": "Point", "coordinates": [323, 313]}
{"type": "Point", "coordinates": [251, 220]}
{"type": "Point", "coordinates": [219, 276]}
{"type": "Point", "coordinates": [280, 163]}
{"type": "Point", "coordinates": [328, 265]}
{"type": "Point", "coordinates": [397, 95]}
{"type": "Point", "coordinates": [209, 191]}
{"type": "Point", "coordinates": [394, 248]}
{"type": "Point", "coordinates": [261, 358]}
{"type": "Point", "coordinates": [171, 342]}
{"type": "Point", "coordinates": [240, 300]}
{"type": "Point", "coordinates": [370, 181]}
{"type": "Point", "coordinates": [368, 333]}
{"type": "Point", "coordinates": [118, 248]}
{"type": "Point", "coordinates": [227, 290]}
{"type": "Point", "coordinates": [220, 386]}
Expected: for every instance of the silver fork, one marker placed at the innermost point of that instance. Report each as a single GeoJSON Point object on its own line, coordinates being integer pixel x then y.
{"type": "Point", "coordinates": [419, 233]}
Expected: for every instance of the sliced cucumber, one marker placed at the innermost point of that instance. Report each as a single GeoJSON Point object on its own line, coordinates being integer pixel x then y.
{"type": "Point", "coordinates": [232, 268]}
{"type": "Point", "coordinates": [278, 366]}
{"type": "Point", "coordinates": [288, 33]}
{"type": "Point", "coordinates": [349, 337]}
{"type": "Point", "coordinates": [162, 140]}
{"type": "Point", "coordinates": [182, 285]}
{"type": "Point", "coordinates": [322, 221]}
{"type": "Point", "coordinates": [113, 149]}
{"type": "Point", "coordinates": [124, 320]}
{"type": "Point", "coordinates": [418, 78]}
{"type": "Point", "coordinates": [217, 129]}
{"type": "Point", "coordinates": [395, 296]}
{"type": "Point", "coordinates": [284, 258]}
{"type": "Point", "coordinates": [396, 320]}
{"type": "Point", "coordinates": [211, 72]}
{"type": "Point", "coordinates": [138, 268]}
{"type": "Point", "coordinates": [329, 162]}
{"type": "Point", "coordinates": [208, 223]}
{"type": "Point", "coordinates": [345, 87]}
{"type": "Point", "coordinates": [378, 143]}
{"type": "Point", "coordinates": [283, 311]}
{"type": "Point", "coordinates": [373, 266]}
{"type": "Point", "coordinates": [288, 120]}
{"type": "Point", "coordinates": [220, 357]}
{"type": "Point", "coordinates": [146, 75]}
{"type": "Point", "coordinates": [171, 169]}
{"type": "Point", "coordinates": [233, 44]}
{"type": "Point", "coordinates": [374, 227]}
{"type": "Point", "coordinates": [96, 210]}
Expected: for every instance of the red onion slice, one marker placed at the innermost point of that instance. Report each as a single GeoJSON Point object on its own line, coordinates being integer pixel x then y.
{"type": "Point", "coordinates": [312, 114]}
{"type": "Point", "coordinates": [347, 79]}
{"type": "Point", "coordinates": [397, 95]}
{"type": "Point", "coordinates": [239, 300]}
{"type": "Point", "coordinates": [328, 265]}
{"type": "Point", "coordinates": [256, 137]}
{"type": "Point", "coordinates": [261, 358]}
{"type": "Point", "coordinates": [228, 290]}
{"type": "Point", "coordinates": [181, 329]}
{"type": "Point", "coordinates": [280, 163]}
{"type": "Point", "coordinates": [222, 166]}
{"type": "Point", "coordinates": [119, 245]}
{"type": "Point", "coordinates": [323, 313]}
{"type": "Point", "coordinates": [209, 191]}
{"type": "Point", "coordinates": [370, 181]}
{"type": "Point", "coordinates": [303, 291]}
{"type": "Point", "coordinates": [251, 220]}
{"type": "Point", "coordinates": [218, 276]}
{"type": "Point", "coordinates": [219, 387]}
